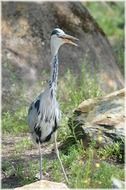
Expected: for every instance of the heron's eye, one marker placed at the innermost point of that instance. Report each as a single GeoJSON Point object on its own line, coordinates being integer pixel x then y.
{"type": "Point", "coordinates": [58, 35]}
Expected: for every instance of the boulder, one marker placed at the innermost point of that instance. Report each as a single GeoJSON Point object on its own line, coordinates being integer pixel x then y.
{"type": "Point", "coordinates": [100, 120]}
{"type": "Point", "coordinates": [43, 184]}
{"type": "Point", "coordinates": [26, 29]}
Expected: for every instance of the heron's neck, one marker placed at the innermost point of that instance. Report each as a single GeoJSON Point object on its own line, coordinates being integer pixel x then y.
{"type": "Point", "coordinates": [54, 72]}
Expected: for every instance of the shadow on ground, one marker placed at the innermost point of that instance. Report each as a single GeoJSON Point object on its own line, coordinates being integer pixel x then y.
{"type": "Point", "coordinates": [16, 164]}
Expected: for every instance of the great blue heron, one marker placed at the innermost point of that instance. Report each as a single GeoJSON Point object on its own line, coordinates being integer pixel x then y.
{"type": "Point", "coordinates": [44, 113]}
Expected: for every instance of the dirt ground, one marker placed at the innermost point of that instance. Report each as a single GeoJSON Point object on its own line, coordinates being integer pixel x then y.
{"type": "Point", "coordinates": [13, 158]}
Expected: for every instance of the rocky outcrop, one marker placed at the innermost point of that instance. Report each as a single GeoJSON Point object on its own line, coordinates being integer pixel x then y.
{"type": "Point", "coordinates": [43, 184]}
{"type": "Point", "coordinates": [26, 28]}
{"type": "Point", "coordinates": [100, 120]}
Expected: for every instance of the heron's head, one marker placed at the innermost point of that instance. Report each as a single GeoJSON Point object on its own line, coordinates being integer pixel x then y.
{"type": "Point", "coordinates": [58, 38]}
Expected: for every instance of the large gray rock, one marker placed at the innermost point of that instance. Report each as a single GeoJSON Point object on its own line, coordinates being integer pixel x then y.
{"type": "Point", "coordinates": [26, 28]}
{"type": "Point", "coordinates": [100, 120]}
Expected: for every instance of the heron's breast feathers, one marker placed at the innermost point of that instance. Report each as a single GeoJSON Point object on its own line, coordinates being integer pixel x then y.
{"type": "Point", "coordinates": [44, 116]}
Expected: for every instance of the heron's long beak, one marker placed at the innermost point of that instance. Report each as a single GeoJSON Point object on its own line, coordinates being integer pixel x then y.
{"type": "Point", "coordinates": [69, 39]}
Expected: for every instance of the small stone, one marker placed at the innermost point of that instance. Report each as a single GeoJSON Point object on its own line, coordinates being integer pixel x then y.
{"type": "Point", "coordinates": [118, 184]}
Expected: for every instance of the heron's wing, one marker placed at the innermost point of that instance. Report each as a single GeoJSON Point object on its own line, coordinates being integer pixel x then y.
{"type": "Point", "coordinates": [44, 113]}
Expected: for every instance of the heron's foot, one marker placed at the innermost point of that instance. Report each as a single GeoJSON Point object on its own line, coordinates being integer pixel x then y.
{"type": "Point", "coordinates": [44, 177]}
{"type": "Point", "coordinates": [38, 176]}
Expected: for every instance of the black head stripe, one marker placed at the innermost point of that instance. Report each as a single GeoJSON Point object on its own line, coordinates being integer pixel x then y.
{"type": "Point", "coordinates": [55, 31]}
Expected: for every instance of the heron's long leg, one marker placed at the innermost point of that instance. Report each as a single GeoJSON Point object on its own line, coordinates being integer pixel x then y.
{"type": "Point", "coordinates": [57, 152]}
{"type": "Point", "coordinates": [40, 155]}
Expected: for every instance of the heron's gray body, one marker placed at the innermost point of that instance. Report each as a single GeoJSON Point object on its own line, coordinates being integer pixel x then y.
{"type": "Point", "coordinates": [44, 113]}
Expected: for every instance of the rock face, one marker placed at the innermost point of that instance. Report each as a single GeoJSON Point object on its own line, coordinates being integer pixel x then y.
{"type": "Point", "coordinates": [101, 120]}
{"type": "Point", "coordinates": [26, 28]}
{"type": "Point", "coordinates": [44, 184]}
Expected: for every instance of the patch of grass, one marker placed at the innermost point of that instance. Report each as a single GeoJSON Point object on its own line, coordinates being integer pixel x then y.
{"type": "Point", "coordinates": [7, 168]}
{"type": "Point", "coordinates": [105, 173]}
{"type": "Point", "coordinates": [114, 152]}
{"type": "Point", "coordinates": [85, 171]}
{"type": "Point", "coordinates": [84, 168]}
{"type": "Point", "coordinates": [15, 122]}
{"type": "Point", "coordinates": [24, 144]}
{"type": "Point", "coordinates": [111, 19]}
{"type": "Point", "coordinates": [24, 173]}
